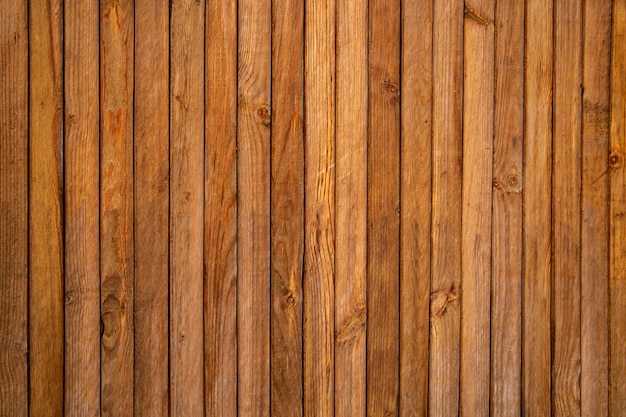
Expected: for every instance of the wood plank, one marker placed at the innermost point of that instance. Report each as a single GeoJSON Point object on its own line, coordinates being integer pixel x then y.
{"type": "Point", "coordinates": [447, 127]}
{"type": "Point", "coordinates": [383, 208]}
{"type": "Point", "coordinates": [566, 184]}
{"type": "Point", "coordinates": [287, 207]}
{"type": "Point", "coordinates": [506, 255]}
{"type": "Point", "coordinates": [253, 173]}
{"type": "Point", "coordinates": [82, 213]}
{"type": "Point", "coordinates": [536, 359]}
{"type": "Point", "coordinates": [116, 206]}
{"type": "Point", "coordinates": [151, 200]}
{"type": "Point", "coordinates": [220, 220]}
{"type": "Point", "coordinates": [351, 208]}
{"type": "Point", "coordinates": [46, 322]}
{"type": "Point", "coordinates": [617, 219]}
{"type": "Point", "coordinates": [594, 342]}
{"type": "Point", "coordinates": [319, 255]}
{"type": "Point", "coordinates": [186, 207]}
{"type": "Point", "coordinates": [14, 208]}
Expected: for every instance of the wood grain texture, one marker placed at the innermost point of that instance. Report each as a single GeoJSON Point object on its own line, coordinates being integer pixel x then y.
{"type": "Point", "coordinates": [566, 153]}
{"type": "Point", "coordinates": [506, 240]}
{"type": "Point", "coordinates": [253, 212]}
{"type": "Point", "coordinates": [14, 208]}
{"type": "Point", "coordinates": [151, 202]}
{"type": "Point", "coordinates": [536, 358]}
{"type": "Point", "coordinates": [46, 323]}
{"type": "Point", "coordinates": [186, 207]}
{"type": "Point", "coordinates": [287, 207]}
{"type": "Point", "coordinates": [319, 211]}
{"type": "Point", "coordinates": [116, 207]}
{"type": "Point", "coordinates": [82, 213]}
{"type": "Point", "coordinates": [220, 210]}
{"type": "Point", "coordinates": [351, 208]}
{"type": "Point", "coordinates": [594, 330]}
{"type": "Point", "coordinates": [447, 124]}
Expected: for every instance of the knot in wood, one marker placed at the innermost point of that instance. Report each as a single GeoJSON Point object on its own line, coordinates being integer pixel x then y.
{"type": "Point", "coordinates": [392, 89]}
{"type": "Point", "coordinates": [615, 160]}
{"type": "Point", "coordinates": [263, 115]}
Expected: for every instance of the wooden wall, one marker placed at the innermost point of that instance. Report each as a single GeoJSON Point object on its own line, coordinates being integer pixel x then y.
{"type": "Point", "coordinates": [312, 208]}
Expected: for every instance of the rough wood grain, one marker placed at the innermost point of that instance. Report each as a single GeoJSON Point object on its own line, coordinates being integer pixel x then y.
{"type": "Point", "coordinates": [151, 202]}
{"type": "Point", "coordinates": [351, 208]}
{"type": "Point", "coordinates": [116, 207]}
{"type": "Point", "coordinates": [46, 323]}
{"type": "Point", "coordinates": [287, 207]}
{"type": "Point", "coordinates": [14, 208]}
{"type": "Point", "coordinates": [220, 210]}
{"type": "Point", "coordinates": [82, 213]}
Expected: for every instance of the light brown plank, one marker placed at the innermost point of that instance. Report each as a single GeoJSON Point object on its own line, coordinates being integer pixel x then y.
{"type": "Point", "coordinates": [446, 208]}
{"type": "Point", "coordinates": [566, 184]}
{"type": "Point", "coordinates": [14, 208]}
{"type": "Point", "coordinates": [287, 207]}
{"type": "Point", "coordinates": [594, 342]}
{"type": "Point", "coordinates": [351, 209]}
{"type": "Point", "coordinates": [319, 256]}
{"type": "Point", "coordinates": [383, 208]}
{"type": "Point", "coordinates": [617, 219]}
{"type": "Point", "coordinates": [506, 255]}
{"type": "Point", "coordinates": [186, 207]}
{"type": "Point", "coordinates": [151, 200]}
{"type": "Point", "coordinates": [253, 173]}
{"type": "Point", "coordinates": [116, 207]}
{"type": "Point", "coordinates": [536, 359]}
{"type": "Point", "coordinates": [46, 327]}
{"type": "Point", "coordinates": [220, 210]}
{"type": "Point", "coordinates": [82, 213]}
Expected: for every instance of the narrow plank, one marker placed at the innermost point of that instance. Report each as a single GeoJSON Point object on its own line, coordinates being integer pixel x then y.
{"type": "Point", "coordinates": [594, 267]}
{"type": "Point", "coordinates": [116, 207]}
{"type": "Point", "coordinates": [617, 219]}
{"type": "Point", "coordinates": [46, 327]}
{"type": "Point", "coordinates": [287, 207]}
{"type": "Point", "coordinates": [220, 220]}
{"type": "Point", "coordinates": [82, 216]}
{"type": "Point", "coordinates": [478, 102]}
{"type": "Point", "coordinates": [506, 240]}
{"type": "Point", "coordinates": [445, 290]}
{"type": "Point", "coordinates": [186, 207]}
{"type": "Point", "coordinates": [351, 208]}
{"type": "Point", "coordinates": [253, 211]}
{"type": "Point", "coordinates": [319, 215]}
{"type": "Point", "coordinates": [14, 208]}
{"type": "Point", "coordinates": [151, 202]}
{"type": "Point", "coordinates": [566, 153]}
{"type": "Point", "coordinates": [383, 208]}
{"type": "Point", "coordinates": [536, 359]}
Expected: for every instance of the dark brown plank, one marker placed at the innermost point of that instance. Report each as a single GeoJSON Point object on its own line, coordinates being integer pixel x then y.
{"type": "Point", "coordinates": [220, 210]}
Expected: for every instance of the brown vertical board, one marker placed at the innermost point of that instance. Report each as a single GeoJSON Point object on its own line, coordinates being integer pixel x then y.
{"type": "Point", "coordinates": [253, 179]}
{"type": "Point", "coordinates": [506, 255]}
{"type": "Point", "coordinates": [46, 209]}
{"type": "Point", "coordinates": [617, 219]}
{"type": "Point", "coordinates": [116, 207]}
{"type": "Point", "coordinates": [186, 207]}
{"type": "Point", "coordinates": [319, 256]}
{"type": "Point", "coordinates": [220, 211]}
{"type": "Point", "coordinates": [566, 152]}
{"type": "Point", "coordinates": [151, 202]}
{"type": "Point", "coordinates": [594, 209]}
{"type": "Point", "coordinates": [383, 208]}
{"type": "Point", "coordinates": [82, 216]}
{"type": "Point", "coordinates": [14, 208]}
{"type": "Point", "coordinates": [478, 89]}
{"type": "Point", "coordinates": [446, 208]}
{"type": "Point", "coordinates": [536, 360]}
{"type": "Point", "coordinates": [351, 209]}
{"type": "Point", "coordinates": [287, 209]}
